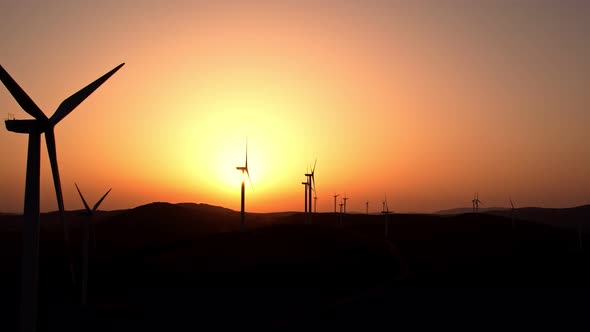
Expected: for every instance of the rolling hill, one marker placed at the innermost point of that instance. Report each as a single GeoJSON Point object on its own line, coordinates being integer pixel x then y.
{"type": "Point", "coordinates": [165, 265]}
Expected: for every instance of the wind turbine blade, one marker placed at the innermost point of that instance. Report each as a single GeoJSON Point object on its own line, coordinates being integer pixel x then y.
{"type": "Point", "coordinates": [250, 180]}
{"type": "Point", "coordinates": [21, 97]}
{"type": "Point", "coordinates": [313, 169]}
{"type": "Point", "coordinates": [74, 100]}
{"type": "Point", "coordinates": [83, 200]}
{"type": "Point", "coordinates": [51, 151]}
{"type": "Point", "coordinates": [50, 140]}
{"type": "Point", "coordinates": [313, 181]}
{"type": "Point", "coordinates": [247, 154]}
{"type": "Point", "coordinates": [100, 201]}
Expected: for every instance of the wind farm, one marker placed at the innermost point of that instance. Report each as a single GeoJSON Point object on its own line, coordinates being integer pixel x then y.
{"type": "Point", "coordinates": [410, 108]}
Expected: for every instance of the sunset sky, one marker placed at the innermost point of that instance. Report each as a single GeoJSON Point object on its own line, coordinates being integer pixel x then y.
{"type": "Point", "coordinates": [425, 101]}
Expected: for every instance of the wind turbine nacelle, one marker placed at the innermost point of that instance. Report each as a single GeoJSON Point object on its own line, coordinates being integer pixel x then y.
{"type": "Point", "coordinates": [25, 126]}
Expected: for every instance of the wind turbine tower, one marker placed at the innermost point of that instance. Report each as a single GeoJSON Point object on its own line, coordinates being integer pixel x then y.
{"type": "Point", "coordinates": [367, 206]}
{"type": "Point", "coordinates": [30, 235]}
{"type": "Point", "coordinates": [87, 225]}
{"type": "Point", "coordinates": [244, 169]}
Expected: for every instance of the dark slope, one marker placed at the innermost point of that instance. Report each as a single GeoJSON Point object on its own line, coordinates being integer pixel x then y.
{"type": "Point", "coordinates": [464, 210]}
{"type": "Point", "coordinates": [566, 218]}
{"type": "Point", "coordinates": [171, 266]}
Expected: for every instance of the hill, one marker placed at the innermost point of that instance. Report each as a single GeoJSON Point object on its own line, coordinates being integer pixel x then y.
{"type": "Point", "coordinates": [570, 218]}
{"type": "Point", "coordinates": [468, 210]}
{"type": "Point", "coordinates": [165, 265]}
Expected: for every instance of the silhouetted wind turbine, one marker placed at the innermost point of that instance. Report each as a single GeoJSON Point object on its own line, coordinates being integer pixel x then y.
{"type": "Point", "coordinates": [367, 204]}
{"type": "Point", "coordinates": [306, 185]}
{"type": "Point", "coordinates": [41, 124]}
{"type": "Point", "coordinates": [315, 202]}
{"type": "Point", "coordinates": [341, 206]}
{"type": "Point", "coordinates": [335, 196]}
{"type": "Point", "coordinates": [345, 199]}
{"type": "Point", "coordinates": [476, 202]}
{"type": "Point", "coordinates": [243, 200]}
{"type": "Point", "coordinates": [87, 225]}
{"type": "Point", "coordinates": [311, 182]}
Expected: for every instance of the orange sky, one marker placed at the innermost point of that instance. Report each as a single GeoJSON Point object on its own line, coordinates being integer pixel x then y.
{"type": "Point", "coordinates": [426, 102]}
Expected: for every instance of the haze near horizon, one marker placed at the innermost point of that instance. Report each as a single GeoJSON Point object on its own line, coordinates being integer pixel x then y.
{"type": "Point", "coordinates": [427, 102]}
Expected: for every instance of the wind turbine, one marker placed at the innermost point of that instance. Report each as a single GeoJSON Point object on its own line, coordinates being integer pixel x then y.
{"type": "Point", "coordinates": [87, 225]}
{"type": "Point", "coordinates": [306, 184]}
{"type": "Point", "coordinates": [315, 202]}
{"type": "Point", "coordinates": [335, 196]}
{"type": "Point", "coordinates": [243, 200]}
{"type": "Point", "coordinates": [367, 205]}
{"type": "Point", "coordinates": [341, 205]}
{"type": "Point", "coordinates": [311, 184]}
{"type": "Point", "coordinates": [476, 202]}
{"type": "Point", "coordinates": [345, 199]}
{"type": "Point", "coordinates": [41, 124]}
{"type": "Point", "coordinates": [386, 213]}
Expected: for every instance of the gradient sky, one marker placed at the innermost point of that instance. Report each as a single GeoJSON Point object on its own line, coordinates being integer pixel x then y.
{"type": "Point", "coordinates": [425, 101]}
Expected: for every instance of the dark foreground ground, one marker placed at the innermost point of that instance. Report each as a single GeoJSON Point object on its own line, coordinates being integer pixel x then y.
{"type": "Point", "coordinates": [172, 267]}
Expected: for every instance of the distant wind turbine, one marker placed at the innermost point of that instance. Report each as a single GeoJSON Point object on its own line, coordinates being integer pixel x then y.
{"type": "Point", "coordinates": [30, 236]}
{"type": "Point", "coordinates": [315, 203]}
{"type": "Point", "coordinates": [367, 205]}
{"type": "Point", "coordinates": [476, 202]}
{"type": "Point", "coordinates": [345, 199]}
{"type": "Point", "coordinates": [243, 198]}
{"type": "Point", "coordinates": [341, 208]}
{"type": "Point", "coordinates": [335, 196]}
{"type": "Point", "coordinates": [306, 185]}
{"type": "Point", "coordinates": [87, 225]}
{"type": "Point", "coordinates": [311, 185]}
